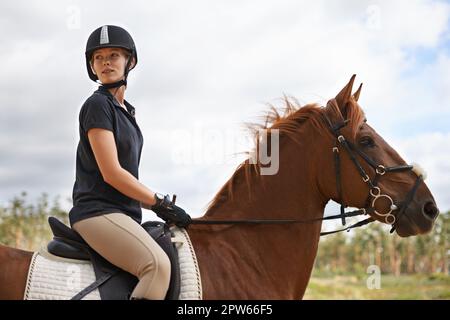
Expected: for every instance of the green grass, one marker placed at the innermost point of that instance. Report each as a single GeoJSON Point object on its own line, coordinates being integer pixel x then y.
{"type": "Point", "coordinates": [404, 287]}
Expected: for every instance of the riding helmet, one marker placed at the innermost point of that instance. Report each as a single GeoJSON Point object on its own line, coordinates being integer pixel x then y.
{"type": "Point", "coordinates": [109, 36]}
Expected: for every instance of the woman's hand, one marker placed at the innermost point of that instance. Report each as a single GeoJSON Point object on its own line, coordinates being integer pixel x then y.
{"type": "Point", "coordinates": [169, 212]}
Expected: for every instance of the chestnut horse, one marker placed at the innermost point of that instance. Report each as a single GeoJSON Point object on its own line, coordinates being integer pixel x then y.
{"type": "Point", "coordinates": [274, 261]}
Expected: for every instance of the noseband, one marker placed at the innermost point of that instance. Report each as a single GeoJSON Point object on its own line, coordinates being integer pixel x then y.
{"type": "Point", "coordinates": [375, 192]}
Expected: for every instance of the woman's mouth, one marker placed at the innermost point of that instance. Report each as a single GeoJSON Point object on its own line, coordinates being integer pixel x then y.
{"type": "Point", "coordinates": [107, 71]}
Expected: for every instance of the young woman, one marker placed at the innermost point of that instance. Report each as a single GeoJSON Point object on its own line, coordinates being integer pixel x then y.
{"type": "Point", "coordinates": [107, 195]}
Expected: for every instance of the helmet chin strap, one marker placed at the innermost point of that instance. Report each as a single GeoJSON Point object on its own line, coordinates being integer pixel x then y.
{"type": "Point", "coordinates": [116, 84]}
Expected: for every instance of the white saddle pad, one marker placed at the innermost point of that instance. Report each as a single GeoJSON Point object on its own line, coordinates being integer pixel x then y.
{"type": "Point", "coordinates": [55, 278]}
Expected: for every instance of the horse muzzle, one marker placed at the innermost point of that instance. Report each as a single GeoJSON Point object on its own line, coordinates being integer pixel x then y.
{"type": "Point", "coordinates": [418, 218]}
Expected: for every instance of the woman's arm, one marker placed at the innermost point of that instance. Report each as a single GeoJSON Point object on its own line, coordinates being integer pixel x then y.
{"type": "Point", "coordinates": [105, 151]}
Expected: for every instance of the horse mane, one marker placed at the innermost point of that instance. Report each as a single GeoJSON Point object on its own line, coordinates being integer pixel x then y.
{"type": "Point", "coordinates": [287, 120]}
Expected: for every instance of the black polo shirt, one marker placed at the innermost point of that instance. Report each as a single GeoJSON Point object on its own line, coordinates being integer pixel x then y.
{"type": "Point", "coordinates": [92, 196]}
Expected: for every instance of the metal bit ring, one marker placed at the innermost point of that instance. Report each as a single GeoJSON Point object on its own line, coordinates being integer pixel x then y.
{"type": "Point", "coordinates": [391, 207]}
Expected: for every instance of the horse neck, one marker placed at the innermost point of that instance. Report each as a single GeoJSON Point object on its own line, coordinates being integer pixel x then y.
{"type": "Point", "coordinates": [282, 252]}
{"type": "Point", "coordinates": [290, 193]}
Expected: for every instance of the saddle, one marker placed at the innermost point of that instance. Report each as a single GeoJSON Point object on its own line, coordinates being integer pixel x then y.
{"type": "Point", "coordinates": [112, 282]}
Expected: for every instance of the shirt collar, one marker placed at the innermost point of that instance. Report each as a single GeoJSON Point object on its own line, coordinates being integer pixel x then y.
{"type": "Point", "coordinates": [105, 91]}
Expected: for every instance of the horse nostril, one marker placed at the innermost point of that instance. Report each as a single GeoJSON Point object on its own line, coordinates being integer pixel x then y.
{"type": "Point", "coordinates": [430, 210]}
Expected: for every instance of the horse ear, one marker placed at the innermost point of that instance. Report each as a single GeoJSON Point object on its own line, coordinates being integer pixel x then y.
{"type": "Point", "coordinates": [357, 93]}
{"type": "Point", "coordinates": [344, 96]}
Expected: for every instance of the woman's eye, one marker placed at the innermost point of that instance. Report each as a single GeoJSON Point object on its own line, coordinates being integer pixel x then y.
{"type": "Point", "coordinates": [366, 142]}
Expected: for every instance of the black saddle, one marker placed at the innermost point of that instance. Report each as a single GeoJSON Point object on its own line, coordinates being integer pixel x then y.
{"type": "Point", "coordinates": [113, 283]}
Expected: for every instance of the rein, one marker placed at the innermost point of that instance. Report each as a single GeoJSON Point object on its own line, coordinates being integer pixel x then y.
{"type": "Point", "coordinates": [292, 221]}
{"type": "Point", "coordinates": [374, 195]}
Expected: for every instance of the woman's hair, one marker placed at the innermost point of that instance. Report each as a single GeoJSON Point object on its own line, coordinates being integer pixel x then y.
{"type": "Point", "coordinates": [125, 51]}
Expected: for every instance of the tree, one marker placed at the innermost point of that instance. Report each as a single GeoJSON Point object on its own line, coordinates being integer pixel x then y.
{"type": "Point", "coordinates": [373, 244]}
{"type": "Point", "coordinates": [25, 225]}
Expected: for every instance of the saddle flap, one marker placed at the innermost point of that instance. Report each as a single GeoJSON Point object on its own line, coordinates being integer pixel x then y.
{"type": "Point", "coordinates": [155, 229]}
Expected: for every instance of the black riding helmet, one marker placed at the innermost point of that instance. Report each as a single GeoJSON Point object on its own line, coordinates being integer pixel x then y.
{"type": "Point", "coordinates": [109, 36]}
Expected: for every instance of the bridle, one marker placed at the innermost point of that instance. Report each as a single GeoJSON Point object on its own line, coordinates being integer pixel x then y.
{"type": "Point", "coordinates": [375, 193]}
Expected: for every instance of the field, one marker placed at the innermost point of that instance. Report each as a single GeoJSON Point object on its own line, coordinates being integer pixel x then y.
{"type": "Point", "coordinates": [404, 287]}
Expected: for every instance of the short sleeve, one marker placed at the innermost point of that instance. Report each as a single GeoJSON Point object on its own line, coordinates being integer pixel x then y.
{"type": "Point", "coordinates": [96, 113]}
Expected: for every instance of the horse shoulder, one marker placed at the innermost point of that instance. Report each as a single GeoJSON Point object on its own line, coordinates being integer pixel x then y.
{"type": "Point", "coordinates": [14, 264]}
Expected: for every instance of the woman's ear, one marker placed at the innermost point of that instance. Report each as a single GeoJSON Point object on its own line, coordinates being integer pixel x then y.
{"type": "Point", "coordinates": [132, 63]}
{"type": "Point", "coordinates": [92, 68]}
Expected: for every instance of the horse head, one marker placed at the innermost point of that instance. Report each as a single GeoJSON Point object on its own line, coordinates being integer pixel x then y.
{"type": "Point", "coordinates": [368, 173]}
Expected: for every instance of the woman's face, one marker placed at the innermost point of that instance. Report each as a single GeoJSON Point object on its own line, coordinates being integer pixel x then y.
{"type": "Point", "coordinates": [109, 64]}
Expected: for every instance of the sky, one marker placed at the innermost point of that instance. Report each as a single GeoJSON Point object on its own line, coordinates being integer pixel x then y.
{"type": "Point", "coordinates": [205, 68]}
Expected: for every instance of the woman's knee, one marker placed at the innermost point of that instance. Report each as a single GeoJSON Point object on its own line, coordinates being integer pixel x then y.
{"type": "Point", "coordinates": [165, 263]}
{"type": "Point", "coordinates": [159, 263]}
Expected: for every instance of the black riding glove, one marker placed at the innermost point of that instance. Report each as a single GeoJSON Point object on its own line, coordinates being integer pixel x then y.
{"type": "Point", "coordinates": [169, 212]}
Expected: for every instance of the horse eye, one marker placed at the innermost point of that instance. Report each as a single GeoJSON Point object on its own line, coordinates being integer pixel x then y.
{"type": "Point", "coordinates": [366, 142]}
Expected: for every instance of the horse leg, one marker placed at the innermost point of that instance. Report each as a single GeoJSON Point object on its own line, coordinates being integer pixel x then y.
{"type": "Point", "coordinates": [14, 264]}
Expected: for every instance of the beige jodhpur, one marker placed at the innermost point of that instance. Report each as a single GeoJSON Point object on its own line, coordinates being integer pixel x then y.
{"type": "Point", "coordinates": [124, 243]}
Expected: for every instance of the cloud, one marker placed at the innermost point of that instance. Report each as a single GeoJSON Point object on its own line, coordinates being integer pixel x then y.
{"type": "Point", "coordinates": [214, 65]}
{"type": "Point", "coordinates": [427, 149]}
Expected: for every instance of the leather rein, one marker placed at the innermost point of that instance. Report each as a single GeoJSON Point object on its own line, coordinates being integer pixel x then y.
{"type": "Point", "coordinates": [374, 195]}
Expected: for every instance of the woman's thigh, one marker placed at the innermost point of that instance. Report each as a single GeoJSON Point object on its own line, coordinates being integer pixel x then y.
{"type": "Point", "coordinates": [121, 241]}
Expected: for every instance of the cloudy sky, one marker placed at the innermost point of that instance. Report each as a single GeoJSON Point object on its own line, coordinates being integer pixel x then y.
{"type": "Point", "coordinates": [207, 67]}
